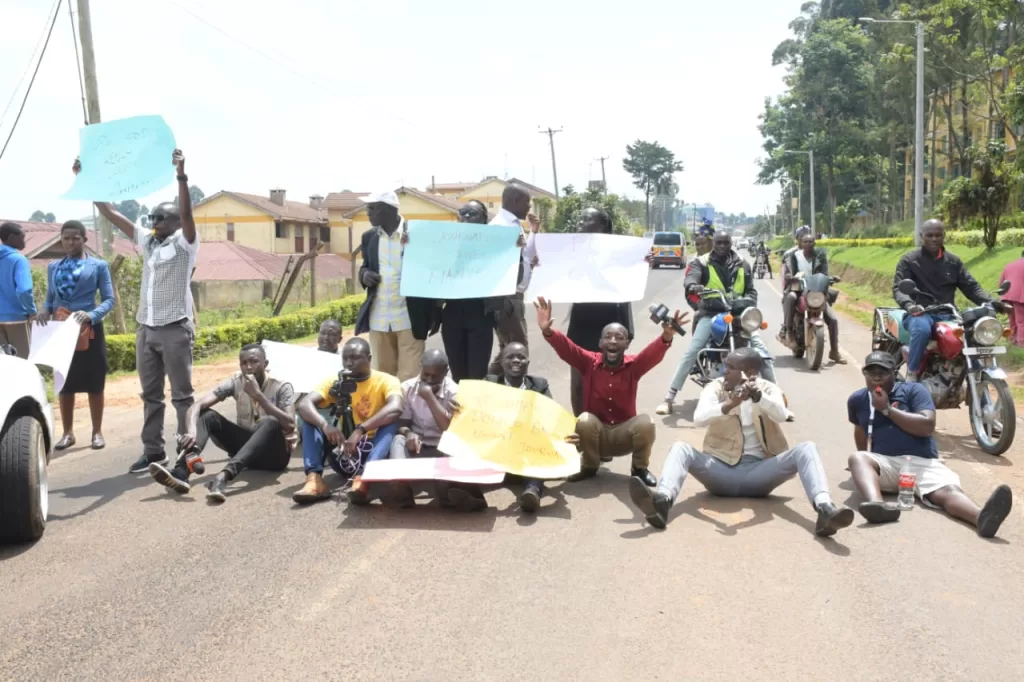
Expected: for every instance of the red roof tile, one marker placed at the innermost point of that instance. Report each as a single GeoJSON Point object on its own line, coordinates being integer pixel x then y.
{"type": "Point", "coordinates": [234, 262]}
{"type": "Point", "coordinates": [42, 242]}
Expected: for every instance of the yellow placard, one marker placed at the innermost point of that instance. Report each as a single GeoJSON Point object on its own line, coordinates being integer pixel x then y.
{"type": "Point", "coordinates": [521, 432]}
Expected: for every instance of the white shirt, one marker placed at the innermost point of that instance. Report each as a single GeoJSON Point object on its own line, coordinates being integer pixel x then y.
{"type": "Point", "coordinates": [389, 312]}
{"type": "Point", "coordinates": [709, 409]}
{"type": "Point", "coordinates": [803, 265]}
{"type": "Point", "coordinates": [529, 251]}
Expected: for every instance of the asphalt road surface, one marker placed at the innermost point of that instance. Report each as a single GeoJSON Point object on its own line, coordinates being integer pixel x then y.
{"type": "Point", "coordinates": [131, 582]}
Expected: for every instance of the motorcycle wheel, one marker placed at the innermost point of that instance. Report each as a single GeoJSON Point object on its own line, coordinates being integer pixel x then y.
{"type": "Point", "coordinates": [815, 348]}
{"type": "Point", "coordinates": [1003, 412]}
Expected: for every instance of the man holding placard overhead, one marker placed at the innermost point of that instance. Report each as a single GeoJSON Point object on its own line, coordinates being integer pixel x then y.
{"type": "Point", "coordinates": [164, 340]}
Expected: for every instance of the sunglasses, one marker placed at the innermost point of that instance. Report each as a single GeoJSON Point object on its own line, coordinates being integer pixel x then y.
{"type": "Point", "coordinates": [160, 217]}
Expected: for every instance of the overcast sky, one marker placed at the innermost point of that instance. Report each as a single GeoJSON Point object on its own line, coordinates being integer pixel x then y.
{"type": "Point", "coordinates": [367, 96]}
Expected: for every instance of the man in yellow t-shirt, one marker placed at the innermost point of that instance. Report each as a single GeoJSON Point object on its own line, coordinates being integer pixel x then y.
{"type": "Point", "coordinates": [376, 407]}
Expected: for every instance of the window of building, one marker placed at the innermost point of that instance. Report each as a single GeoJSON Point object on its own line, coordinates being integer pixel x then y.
{"type": "Point", "coordinates": [280, 230]}
{"type": "Point", "coordinates": [325, 235]}
{"type": "Point", "coordinates": [231, 232]}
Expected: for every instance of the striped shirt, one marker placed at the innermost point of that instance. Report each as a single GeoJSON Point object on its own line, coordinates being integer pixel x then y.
{"type": "Point", "coordinates": [166, 295]}
{"type": "Point", "coordinates": [389, 312]}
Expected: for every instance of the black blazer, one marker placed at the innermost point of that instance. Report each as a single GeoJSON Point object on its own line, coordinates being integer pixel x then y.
{"type": "Point", "coordinates": [422, 311]}
{"type": "Point", "coordinates": [535, 384]}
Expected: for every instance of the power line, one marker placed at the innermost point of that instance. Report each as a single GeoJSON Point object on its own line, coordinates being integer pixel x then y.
{"type": "Point", "coordinates": [28, 67]}
{"type": "Point", "coordinates": [21, 109]}
{"type": "Point", "coordinates": [78, 64]}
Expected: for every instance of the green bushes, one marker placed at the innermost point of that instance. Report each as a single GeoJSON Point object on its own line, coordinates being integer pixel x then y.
{"type": "Point", "coordinates": [212, 340]}
{"type": "Point", "coordinates": [1006, 237]}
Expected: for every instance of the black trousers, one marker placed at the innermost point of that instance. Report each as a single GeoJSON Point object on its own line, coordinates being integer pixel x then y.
{"type": "Point", "coordinates": [468, 335]}
{"type": "Point", "coordinates": [265, 448]}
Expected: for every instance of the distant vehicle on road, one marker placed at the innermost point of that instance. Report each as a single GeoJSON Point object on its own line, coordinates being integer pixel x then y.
{"type": "Point", "coordinates": [25, 444]}
{"type": "Point", "coordinates": [669, 248]}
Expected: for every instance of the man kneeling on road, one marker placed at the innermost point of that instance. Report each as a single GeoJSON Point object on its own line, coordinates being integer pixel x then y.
{"type": "Point", "coordinates": [609, 425]}
{"type": "Point", "coordinates": [896, 420]}
{"type": "Point", "coordinates": [376, 407]}
{"type": "Point", "coordinates": [263, 438]}
{"type": "Point", "coordinates": [747, 453]}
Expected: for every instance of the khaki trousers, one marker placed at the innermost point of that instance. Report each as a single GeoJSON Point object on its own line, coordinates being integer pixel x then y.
{"type": "Point", "coordinates": [634, 437]}
{"type": "Point", "coordinates": [397, 353]}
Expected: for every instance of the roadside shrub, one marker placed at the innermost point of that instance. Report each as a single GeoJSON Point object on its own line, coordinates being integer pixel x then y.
{"type": "Point", "coordinates": [1006, 237]}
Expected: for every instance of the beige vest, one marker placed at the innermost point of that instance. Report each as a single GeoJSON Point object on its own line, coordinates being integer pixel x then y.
{"type": "Point", "coordinates": [724, 437]}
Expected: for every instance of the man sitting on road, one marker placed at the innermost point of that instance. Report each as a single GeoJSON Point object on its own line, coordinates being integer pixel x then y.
{"type": "Point", "coordinates": [723, 270]}
{"type": "Point", "coordinates": [376, 407]}
{"type": "Point", "coordinates": [515, 360]}
{"type": "Point", "coordinates": [745, 452]}
{"type": "Point", "coordinates": [263, 438]}
{"type": "Point", "coordinates": [609, 425]}
{"type": "Point", "coordinates": [892, 421]}
{"type": "Point", "coordinates": [939, 274]}
{"type": "Point", "coordinates": [806, 261]}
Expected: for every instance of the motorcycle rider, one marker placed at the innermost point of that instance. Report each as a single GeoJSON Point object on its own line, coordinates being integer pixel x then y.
{"type": "Point", "coordinates": [762, 251]}
{"type": "Point", "coordinates": [809, 260]}
{"type": "Point", "coordinates": [798, 233]}
{"type": "Point", "coordinates": [722, 269]}
{"type": "Point", "coordinates": [939, 273]}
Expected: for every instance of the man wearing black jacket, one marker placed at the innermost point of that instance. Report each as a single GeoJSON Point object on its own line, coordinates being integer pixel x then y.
{"type": "Point", "coordinates": [809, 260]}
{"type": "Point", "coordinates": [940, 274]}
{"type": "Point", "coordinates": [398, 326]}
{"type": "Point", "coordinates": [722, 269]}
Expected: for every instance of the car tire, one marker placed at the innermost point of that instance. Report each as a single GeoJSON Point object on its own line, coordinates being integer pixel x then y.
{"type": "Point", "coordinates": [23, 483]}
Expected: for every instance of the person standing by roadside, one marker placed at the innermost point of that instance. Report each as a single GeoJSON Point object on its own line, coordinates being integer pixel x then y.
{"type": "Point", "coordinates": [165, 338]}
{"type": "Point", "coordinates": [510, 311]}
{"type": "Point", "coordinates": [398, 326]}
{"type": "Point", "coordinates": [1013, 299]}
{"type": "Point", "coordinates": [72, 285]}
{"type": "Point", "coordinates": [17, 306]}
{"type": "Point", "coordinates": [467, 328]}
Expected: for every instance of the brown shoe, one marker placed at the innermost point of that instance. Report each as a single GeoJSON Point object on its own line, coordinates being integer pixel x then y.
{"type": "Point", "coordinates": [359, 493]}
{"type": "Point", "coordinates": [313, 491]}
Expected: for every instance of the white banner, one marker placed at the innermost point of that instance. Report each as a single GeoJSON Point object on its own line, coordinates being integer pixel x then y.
{"type": "Point", "coordinates": [590, 268]}
{"type": "Point", "coordinates": [53, 344]}
{"type": "Point", "coordinates": [306, 369]}
{"type": "Point", "coordinates": [432, 469]}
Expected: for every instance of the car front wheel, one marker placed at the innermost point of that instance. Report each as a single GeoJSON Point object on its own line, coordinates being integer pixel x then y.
{"type": "Point", "coordinates": [24, 489]}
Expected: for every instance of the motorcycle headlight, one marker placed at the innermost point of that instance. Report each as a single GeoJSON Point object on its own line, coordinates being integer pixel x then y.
{"type": "Point", "coordinates": [816, 299]}
{"type": "Point", "coordinates": [750, 320]}
{"type": "Point", "coordinates": [987, 331]}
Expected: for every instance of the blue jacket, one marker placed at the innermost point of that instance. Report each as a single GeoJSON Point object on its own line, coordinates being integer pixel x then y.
{"type": "Point", "coordinates": [16, 304]}
{"type": "Point", "coordinates": [95, 276]}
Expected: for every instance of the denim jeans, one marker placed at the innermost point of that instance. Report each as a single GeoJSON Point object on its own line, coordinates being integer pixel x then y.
{"type": "Point", "coordinates": [315, 446]}
{"type": "Point", "coordinates": [920, 328]}
{"type": "Point", "coordinates": [699, 340]}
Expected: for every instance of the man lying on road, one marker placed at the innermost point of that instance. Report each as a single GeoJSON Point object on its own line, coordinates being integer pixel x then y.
{"type": "Point", "coordinates": [376, 407]}
{"type": "Point", "coordinates": [747, 453]}
{"type": "Point", "coordinates": [901, 424]}
{"type": "Point", "coordinates": [609, 425]}
{"type": "Point", "coordinates": [263, 438]}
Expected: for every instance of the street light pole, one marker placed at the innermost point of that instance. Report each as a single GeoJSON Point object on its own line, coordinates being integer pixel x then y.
{"type": "Point", "coordinates": [810, 156]}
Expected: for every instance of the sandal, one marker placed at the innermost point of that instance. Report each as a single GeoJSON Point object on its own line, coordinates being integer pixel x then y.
{"type": "Point", "coordinates": [97, 442]}
{"type": "Point", "coordinates": [65, 442]}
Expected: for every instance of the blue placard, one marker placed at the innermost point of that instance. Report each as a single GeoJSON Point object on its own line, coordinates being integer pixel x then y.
{"type": "Point", "coordinates": [124, 159]}
{"type": "Point", "coordinates": [460, 260]}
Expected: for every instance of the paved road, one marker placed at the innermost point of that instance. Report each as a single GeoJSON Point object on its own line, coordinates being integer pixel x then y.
{"type": "Point", "coordinates": [133, 583]}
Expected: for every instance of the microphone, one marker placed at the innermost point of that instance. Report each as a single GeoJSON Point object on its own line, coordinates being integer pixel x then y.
{"type": "Point", "coordinates": [660, 315]}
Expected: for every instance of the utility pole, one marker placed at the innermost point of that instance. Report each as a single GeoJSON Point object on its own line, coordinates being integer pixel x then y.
{"type": "Point", "coordinates": [604, 180]}
{"type": "Point", "coordinates": [92, 102]}
{"type": "Point", "coordinates": [554, 168]}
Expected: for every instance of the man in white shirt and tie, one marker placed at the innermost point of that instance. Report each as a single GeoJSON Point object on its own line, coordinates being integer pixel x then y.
{"type": "Point", "coordinates": [510, 311]}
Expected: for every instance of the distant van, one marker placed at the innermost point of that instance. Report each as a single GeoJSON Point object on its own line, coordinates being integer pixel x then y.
{"type": "Point", "coordinates": [669, 248]}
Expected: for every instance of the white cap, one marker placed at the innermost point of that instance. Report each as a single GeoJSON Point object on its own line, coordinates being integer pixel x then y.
{"type": "Point", "coordinates": [389, 198]}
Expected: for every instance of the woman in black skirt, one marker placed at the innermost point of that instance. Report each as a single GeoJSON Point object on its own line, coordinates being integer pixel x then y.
{"type": "Point", "coordinates": [588, 320]}
{"type": "Point", "coordinates": [72, 285]}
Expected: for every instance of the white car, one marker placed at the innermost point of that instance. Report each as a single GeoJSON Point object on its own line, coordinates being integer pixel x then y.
{"type": "Point", "coordinates": [25, 444]}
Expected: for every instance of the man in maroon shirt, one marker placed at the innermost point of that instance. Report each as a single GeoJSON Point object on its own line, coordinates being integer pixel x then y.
{"type": "Point", "coordinates": [609, 425]}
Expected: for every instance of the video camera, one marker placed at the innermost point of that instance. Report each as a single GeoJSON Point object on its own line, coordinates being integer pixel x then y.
{"type": "Point", "coordinates": [344, 387]}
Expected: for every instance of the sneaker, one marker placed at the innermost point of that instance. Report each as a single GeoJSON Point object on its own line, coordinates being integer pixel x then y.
{"type": "Point", "coordinates": [359, 493]}
{"type": "Point", "coordinates": [216, 492]}
{"type": "Point", "coordinates": [141, 465]}
{"type": "Point", "coordinates": [995, 511]}
{"type": "Point", "coordinates": [653, 504]}
{"type": "Point", "coordinates": [664, 407]}
{"type": "Point", "coordinates": [831, 519]}
{"type": "Point", "coordinates": [464, 501]}
{"type": "Point", "coordinates": [175, 479]}
{"type": "Point", "coordinates": [529, 501]}
{"type": "Point", "coordinates": [314, 490]}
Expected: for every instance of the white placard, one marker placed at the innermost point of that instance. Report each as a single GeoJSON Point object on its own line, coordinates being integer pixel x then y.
{"type": "Point", "coordinates": [306, 369]}
{"type": "Point", "coordinates": [590, 268]}
{"type": "Point", "coordinates": [53, 344]}
{"type": "Point", "coordinates": [432, 469]}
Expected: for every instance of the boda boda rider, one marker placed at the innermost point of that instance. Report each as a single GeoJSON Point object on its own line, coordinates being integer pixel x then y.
{"type": "Point", "coordinates": [798, 233]}
{"type": "Point", "coordinates": [722, 269]}
{"type": "Point", "coordinates": [939, 273]}
{"type": "Point", "coordinates": [745, 452]}
{"type": "Point", "coordinates": [808, 260]}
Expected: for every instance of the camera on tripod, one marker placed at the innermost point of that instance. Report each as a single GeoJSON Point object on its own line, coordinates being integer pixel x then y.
{"type": "Point", "coordinates": [344, 387]}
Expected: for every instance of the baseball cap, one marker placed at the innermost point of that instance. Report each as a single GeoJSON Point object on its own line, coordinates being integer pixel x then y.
{"type": "Point", "coordinates": [880, 358]}
{"type": "Point", "coordinates": [389, 197]}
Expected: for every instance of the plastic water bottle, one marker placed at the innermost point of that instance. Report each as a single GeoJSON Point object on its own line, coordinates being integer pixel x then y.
{"type": "Point", "coordinates": [908, 479]}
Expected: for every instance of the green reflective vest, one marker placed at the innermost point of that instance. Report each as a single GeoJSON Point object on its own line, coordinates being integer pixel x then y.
{"type": "Point", "coordinates": [739, 285]}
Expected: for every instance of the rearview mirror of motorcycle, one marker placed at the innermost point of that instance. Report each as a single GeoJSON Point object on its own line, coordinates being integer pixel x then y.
{"type": "Point", "coordinates": [908, 287]}
{"type": "Point", "coordinates": [1003, 288]}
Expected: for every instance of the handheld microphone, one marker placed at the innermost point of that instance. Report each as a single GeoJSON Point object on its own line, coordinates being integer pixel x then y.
{"type": "Point", "coordinates": [660, 315]}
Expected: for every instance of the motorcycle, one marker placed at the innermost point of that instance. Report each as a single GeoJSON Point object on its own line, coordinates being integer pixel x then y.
{"type": "Point", "coordinates": [813, 292]}
{"type": "Point", "coordinates": [761, 265]}
{"type": "Point", "coordinates": [729, 331]}
{"type": "Point", "coordinates": [959, 364]}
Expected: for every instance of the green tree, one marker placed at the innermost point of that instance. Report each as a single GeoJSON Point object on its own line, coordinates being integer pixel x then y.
{"type": "Point", "coordinates": [40, 217]}
{"type": "Point", "coordinates": [130, 209]}
{"type": "Point", "coordinates": [985, 194]}
{"type": "Point", "coordinates": [651, 166]}
{"type": "Point", "coordinates": [571, 206]}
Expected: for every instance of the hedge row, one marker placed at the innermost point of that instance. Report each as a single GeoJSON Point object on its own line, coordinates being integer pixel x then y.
{"type": "Point", "coordinates": [1012, 237]}
{"type": "Point", "coordinates": [211, 340]}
